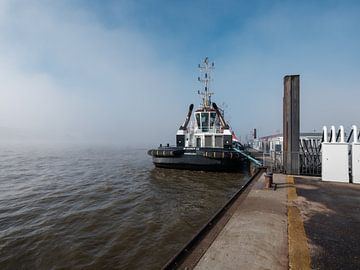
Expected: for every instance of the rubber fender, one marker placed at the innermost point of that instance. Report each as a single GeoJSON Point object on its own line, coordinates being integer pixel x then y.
{"type": "Point", "coordinates": [221, 154]}
{"type": "Point", "coordinates": [165, 153]}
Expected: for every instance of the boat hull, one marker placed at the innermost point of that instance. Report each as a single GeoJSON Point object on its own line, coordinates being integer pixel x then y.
{"type": "Point", "coordinates": [204, 159]}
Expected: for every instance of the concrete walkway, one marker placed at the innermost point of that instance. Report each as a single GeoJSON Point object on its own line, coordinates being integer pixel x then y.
{"type": "Point", "coordinates": [305, 223]}
{"type": "Point", "coordinates": [256, 235]}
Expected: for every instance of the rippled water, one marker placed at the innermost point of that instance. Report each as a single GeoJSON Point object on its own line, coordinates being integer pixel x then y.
{"type": "Point", "coordinates": [100, 207]}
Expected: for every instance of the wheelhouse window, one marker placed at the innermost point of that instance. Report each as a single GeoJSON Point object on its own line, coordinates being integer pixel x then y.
{"type": "Point", "coordinates": [205, 122]}
{"type": "Point", "coordinates": [212, 120]}
{"type": "Point", "coordinates": [197, 115]}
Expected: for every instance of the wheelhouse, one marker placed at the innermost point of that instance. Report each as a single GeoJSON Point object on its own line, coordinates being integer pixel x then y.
{"type": "Point", "coordinates": [207, 121]}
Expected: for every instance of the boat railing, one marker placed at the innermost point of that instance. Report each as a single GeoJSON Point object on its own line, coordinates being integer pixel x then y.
{"type": "Point", "coordinates": [209, 130]}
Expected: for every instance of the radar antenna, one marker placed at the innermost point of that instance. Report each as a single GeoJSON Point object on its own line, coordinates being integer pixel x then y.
{"type": "Point", "coordinates": [205, 78]}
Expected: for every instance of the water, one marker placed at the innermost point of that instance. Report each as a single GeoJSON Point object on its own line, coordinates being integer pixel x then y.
{"type": "Point", "coordinates": [100, 207]}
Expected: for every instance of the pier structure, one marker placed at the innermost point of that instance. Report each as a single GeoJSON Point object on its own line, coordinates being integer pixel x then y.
{"type": "Point", "coordinates": [270, 149]}
{"type": "Point", "coordinates": [333, 154]}
{"type": "Point", "coordinates": [304, 222]}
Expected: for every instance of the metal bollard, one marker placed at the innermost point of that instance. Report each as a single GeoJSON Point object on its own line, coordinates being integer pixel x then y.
{"type": "Point", "coordinates": [269, 180]}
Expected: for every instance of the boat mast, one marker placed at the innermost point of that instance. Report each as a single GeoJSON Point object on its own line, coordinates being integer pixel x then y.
{"type": "Point", "coordinates": [205, 78]}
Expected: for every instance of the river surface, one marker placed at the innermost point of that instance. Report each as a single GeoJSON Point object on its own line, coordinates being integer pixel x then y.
{"type": "Point", "coordinates": [92, 207]}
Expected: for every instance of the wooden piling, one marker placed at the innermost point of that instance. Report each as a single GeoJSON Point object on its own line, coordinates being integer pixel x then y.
{"type": "Point", "coordinates": [291, 124]}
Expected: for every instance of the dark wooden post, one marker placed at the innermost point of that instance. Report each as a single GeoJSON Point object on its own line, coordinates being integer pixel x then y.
{"type": "Point", "coordinates": [291, 124]}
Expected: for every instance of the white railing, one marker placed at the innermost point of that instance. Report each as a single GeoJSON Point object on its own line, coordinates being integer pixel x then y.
{"type": "Point", "coordinates": [210, 130]}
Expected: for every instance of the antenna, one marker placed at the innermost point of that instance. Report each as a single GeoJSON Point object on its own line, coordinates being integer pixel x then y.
{"type": "Point", "coordinates": [205, 78]}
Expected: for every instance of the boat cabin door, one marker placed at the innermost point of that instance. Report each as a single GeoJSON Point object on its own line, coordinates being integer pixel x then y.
{"type": "Point", "coordinates": [198, 142]}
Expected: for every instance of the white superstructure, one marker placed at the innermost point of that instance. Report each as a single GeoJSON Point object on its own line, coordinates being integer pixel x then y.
{"type": "Point", "coordinates": [208, 127]}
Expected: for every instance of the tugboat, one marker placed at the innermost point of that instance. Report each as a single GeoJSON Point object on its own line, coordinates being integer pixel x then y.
{"type": "Point", "coordinates": [207, 142]}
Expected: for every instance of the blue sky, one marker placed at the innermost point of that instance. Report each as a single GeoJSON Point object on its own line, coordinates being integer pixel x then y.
{"type": "Point", "coordinates": [125, 71]}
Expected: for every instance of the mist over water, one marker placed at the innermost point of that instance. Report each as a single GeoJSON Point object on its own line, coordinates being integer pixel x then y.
{"type": "Point", "coordinates": [67, 207]}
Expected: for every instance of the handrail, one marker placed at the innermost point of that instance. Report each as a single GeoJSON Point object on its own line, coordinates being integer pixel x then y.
{"type": "Point", "coordinates": [351, 133]}
{"type": "Point", "coordinates": [257, 162]}
{"type": "Point", "coordinates": [331, 135]}
{"type": "Point", "coordinates": [338, 135]}
{"type": "Point", "coordinates": [210, 130]}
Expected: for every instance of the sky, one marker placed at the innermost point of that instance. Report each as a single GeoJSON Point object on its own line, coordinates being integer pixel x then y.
{"type": "Point", "coordinates": [124, 72]}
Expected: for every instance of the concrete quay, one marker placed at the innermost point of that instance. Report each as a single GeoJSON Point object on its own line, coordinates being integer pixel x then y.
{"type": "Point", "coordinates": [304, 223]}
{"type": "Point", "coordinates": [331, 217]}
{"type": "Point", "coordinates": [256, 235]}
